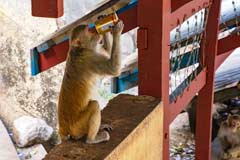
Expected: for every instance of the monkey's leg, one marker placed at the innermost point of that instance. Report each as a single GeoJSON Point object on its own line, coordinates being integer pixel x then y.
{"type": "Point", "coordinates": [234, 152]}
{"type": "Point", "coordinates": [93, 135]}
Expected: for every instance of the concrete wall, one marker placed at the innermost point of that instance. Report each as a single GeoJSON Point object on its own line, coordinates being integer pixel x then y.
{"type": "Point", "coordinates": [145, 142]}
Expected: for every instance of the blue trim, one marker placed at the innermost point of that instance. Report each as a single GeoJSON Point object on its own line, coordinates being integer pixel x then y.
{"type": "Point", "coordinates": [126, 80]}
{"type": "Point", "coordinates": [132, 4]}
{"type": "Point", "coordinates": [34, 62]}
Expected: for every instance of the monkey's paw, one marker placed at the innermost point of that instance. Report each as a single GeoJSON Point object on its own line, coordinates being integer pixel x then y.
{"type": "Point", "coordinates": [226, 156]}
{"type": "Point", "coordinates": [119, 27]}
{"type": "Point", "coordinates": [102, 136]}
{"type": "Point", "coordinates": [106, 127]}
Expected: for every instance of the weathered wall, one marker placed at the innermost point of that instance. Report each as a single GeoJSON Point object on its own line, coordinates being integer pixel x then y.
{"type": "Point", "coordinates": [21, 93]}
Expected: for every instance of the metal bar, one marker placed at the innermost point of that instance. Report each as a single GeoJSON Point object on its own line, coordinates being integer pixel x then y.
{"type": "Point", "coordinates": [182, 101]}
{"type": "Point", "coordinates": [153, 60]}
{"type": "Point", "coordinates": [129, 17]}
{"type": "Point", "coordinates": [205, 97]}
{"type": "Point", "coordinates": [228, 44]}
{"type": "Point", "coordinates": [186, 11]}
{"type": "Point", "coordinates": [175, 4]}
{"type": "Point", "coordinates": [221, 58]}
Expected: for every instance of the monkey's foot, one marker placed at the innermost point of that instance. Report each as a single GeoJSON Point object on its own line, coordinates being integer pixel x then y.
{"type": "Point", "coordinates": [65, 138]}
{"type": "Point", "coordinates": [76, 137]}
{"type": "Point", "coordinates": [102, 136]}
{"type": "Point", "coordinates": [56, 139]}
{"type": "Point", "coordinates": [106, 127]}
{"type": "Point", "coordinates": [226, 156]}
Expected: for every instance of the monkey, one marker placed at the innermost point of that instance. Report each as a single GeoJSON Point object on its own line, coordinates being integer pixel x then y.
{"type": "Point", "coordinates": [229, 136]}
{"type": "Point", "coordinates": [88, 59]}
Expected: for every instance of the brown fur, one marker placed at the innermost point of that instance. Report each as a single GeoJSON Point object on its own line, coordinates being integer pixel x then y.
{"type": "Point", "coordinates": [229, 136]}
{"type": "Point", "coordinates": [78, 114]}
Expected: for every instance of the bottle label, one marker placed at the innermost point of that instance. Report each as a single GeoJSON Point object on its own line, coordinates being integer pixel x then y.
{"type": "Point", "coordinates": [107, 26]}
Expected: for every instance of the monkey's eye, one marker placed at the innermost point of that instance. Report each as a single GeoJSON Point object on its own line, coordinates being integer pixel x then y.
{"type": "Point", "coordinates": [92, 30]}
{"type": "Point", "coordinates": [234, 124]}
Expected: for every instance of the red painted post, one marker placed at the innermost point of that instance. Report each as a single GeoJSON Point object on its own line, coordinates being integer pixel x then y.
{"type": "Point", "coordinates": [177, 4]}
{"type": "Point", "coordinates": [182, 101]}
{"type": "Point", "coordinates": [153, 63]}
{"type": "Point", "coordinates": [205, 97]}
{"type": "Point", "coordinates": [47, 8]}
{"type": "Point", "coordinates": [228, 43]}
{"type": "Point", "coordinates": [186, 10]}
{"type": "Point", "coordinates": [129, 18]}
{"type": "Point", "coordinates": [221, 58]}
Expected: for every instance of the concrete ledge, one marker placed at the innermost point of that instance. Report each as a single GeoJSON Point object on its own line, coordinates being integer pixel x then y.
{"type": "Point", "coordinates": [137, 134]}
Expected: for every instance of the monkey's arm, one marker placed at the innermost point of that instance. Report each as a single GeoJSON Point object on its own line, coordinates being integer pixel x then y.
{"type": "Point", "coordinates": [111, 66]}
{"type": "Point", "coordinates": [115, 59]}
{"type": "Point", "coordinates": [107, 42]}
{"type": "Point", "coordinates": [105, 66]}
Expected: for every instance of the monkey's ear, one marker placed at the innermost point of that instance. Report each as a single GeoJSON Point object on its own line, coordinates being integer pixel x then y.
{"type": "Point", "coordinates": [76, 42]}
{"type": "Point", "coordinates": [86, 29]}
{"type": "Point", "coordinates": [229, 118]}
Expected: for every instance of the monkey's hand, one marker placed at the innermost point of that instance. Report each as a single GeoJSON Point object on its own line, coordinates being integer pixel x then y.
{"type": "Point", "coordinates": [118, 28]}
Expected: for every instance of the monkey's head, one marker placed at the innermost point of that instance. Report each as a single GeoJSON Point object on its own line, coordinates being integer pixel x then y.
{"type": "Point", "coordinates": [83, 37]}
{"type": "Point", "coordinates": [234, 122]}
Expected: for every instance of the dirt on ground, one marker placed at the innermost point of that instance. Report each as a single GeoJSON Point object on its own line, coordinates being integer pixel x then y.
{"type": "Point", "coordinates": [182, 144]}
